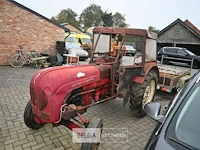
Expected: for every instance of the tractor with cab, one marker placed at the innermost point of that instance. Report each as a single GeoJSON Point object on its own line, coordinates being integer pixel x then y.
{"type": "Point", "coordinates": [60, 95]}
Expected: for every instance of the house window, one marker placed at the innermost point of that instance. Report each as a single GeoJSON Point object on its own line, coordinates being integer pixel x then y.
{"type": "Point", "coordinates": [176, 31]}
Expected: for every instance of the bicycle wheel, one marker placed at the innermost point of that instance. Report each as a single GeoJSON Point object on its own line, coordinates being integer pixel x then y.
{"type": "Point", "coordinates": [16, 60]}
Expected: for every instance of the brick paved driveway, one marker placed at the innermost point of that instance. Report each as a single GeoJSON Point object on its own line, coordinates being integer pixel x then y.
{"type": "Point", "coordinates": [14, 95]}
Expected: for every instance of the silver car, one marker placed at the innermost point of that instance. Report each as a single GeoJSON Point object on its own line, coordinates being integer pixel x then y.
{"type": "Point", "coordinates": [130, 50]}
{"type": "Point", "coordinates": [77, 50]}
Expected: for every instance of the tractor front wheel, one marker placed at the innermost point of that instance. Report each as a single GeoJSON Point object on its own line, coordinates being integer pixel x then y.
{"type": "Point", "coordinates": [29, 118]}
{"type": "Point", "coordinates": [141, 94]}
{"type": "Point", "coordinates": [95, 126]}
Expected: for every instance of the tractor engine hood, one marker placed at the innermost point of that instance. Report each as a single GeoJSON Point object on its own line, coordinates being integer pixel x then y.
{"type": "Point", "coordinates": [49, 87]}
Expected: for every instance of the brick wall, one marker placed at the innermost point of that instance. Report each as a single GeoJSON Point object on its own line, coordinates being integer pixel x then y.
{"type": "Point", "coordinates": [19, 26]}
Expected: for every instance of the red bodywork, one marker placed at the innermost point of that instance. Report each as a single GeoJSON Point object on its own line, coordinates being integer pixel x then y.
{"type": "Point", "coordinates": [50, 87]}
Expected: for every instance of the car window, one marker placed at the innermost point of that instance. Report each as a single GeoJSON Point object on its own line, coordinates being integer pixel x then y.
{"type": "Point", "coordinates": [187, 127]}
{"type": "Point", "coordinates": [86, 41]}
{"type": "Point", "coordinates": [71, 39]}
{"type": "Point", "coordinates": [170, 50]}
{"type": "Point", "coordinates": [189, 52]}
{"type": "Point", "coordinates": [181, 52]}
{"type": "Point", "coordinates": [184, 129]}
{"type": "Point", "coordinates": [161, 49]}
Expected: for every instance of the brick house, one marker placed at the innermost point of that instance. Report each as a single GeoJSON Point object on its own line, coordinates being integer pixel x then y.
{"type": "Point", "coordinates": [180, 34]}
{"type": "Point", "coordinates": [21, 26]}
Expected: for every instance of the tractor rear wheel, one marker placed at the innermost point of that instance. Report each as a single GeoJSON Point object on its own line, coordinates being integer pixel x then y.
{"type": "Point", "coordinates": [95, 123]}
{"type": "Point", "coordinates": [29, 118]}
{"type": "Point", "coordinates": [141, 94]}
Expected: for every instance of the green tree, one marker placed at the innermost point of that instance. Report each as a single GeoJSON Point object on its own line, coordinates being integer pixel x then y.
{"type": "Point", "coordinates": [107, 19]}
{"type": "Point", "coordinates": [67, 15]}
{"type": "Point", "coordinates": [153, 29]}
{"type": "Point", "coordinates": [53, 19]}
{"type": "Point", "coordinates": [91, 16]}
{"type": "Point", "coordinates": [119, 20]}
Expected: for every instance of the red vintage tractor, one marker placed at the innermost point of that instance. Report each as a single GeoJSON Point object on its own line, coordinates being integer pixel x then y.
{"type": "Point", "coordinates": [60, 94]}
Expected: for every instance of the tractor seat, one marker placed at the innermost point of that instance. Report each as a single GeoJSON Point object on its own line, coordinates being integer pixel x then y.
{"type": "Point", "coordinates": [131, 60]}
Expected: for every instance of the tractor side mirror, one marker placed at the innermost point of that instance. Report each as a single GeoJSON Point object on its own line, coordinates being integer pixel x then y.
{"type": "Point", "coordinates": [153, 111]}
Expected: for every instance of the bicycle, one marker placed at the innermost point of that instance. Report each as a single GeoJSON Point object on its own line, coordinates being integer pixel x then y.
{"type": "Point", "coordinates": [21, 58]}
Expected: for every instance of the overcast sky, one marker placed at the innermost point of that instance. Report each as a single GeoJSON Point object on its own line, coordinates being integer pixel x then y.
{"type": "Point", "coordinates": [138, 13]}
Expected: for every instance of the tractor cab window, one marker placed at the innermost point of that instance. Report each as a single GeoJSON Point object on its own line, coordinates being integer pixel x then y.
{"type": "Point", "coordinates": [132, 51]}
{"type": "Point", "coordinates": [107, 44]}
{"type": "Point", "coordinates": [101, 41]}
{"type": "Point", "coordinates": [101, 48]}
{"type": "Point", "coordinates": [115, 44]}
{"type": "Point", "coordinates": [132, 45]}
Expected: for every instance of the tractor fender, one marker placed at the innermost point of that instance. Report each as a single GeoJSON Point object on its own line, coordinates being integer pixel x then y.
{"type": "Point", "coordinates": [140, 78]}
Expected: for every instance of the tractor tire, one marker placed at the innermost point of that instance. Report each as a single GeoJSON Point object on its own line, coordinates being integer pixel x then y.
{"type": "Point", "coordinates": [52, 58]}
{"type": "Point", "coordinates": [94, 123]}
{"type": "Point", "coordinates": [61, 51]}
{"type": "Point", "coordinates": [141, 94]}
{"type": "Point", "coordinates": [60, 43]}
{"type": "Point", "coordinates": [29, 118]}
{"type": "Point", "coordinates": [60, 47]}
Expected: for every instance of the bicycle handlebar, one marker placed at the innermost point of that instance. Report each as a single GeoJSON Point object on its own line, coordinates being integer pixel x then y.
{"type": "Point", "coordinates": [31, 51]}
{"type": "Point", "coordinates": [21, 47]}
{"type": "Point", "coordinates": [34, 51]}
{"type": "Point", "coordinates": [19, 51]}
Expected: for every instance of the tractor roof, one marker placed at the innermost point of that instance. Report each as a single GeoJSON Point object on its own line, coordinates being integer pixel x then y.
{"type": "Point", "coordinates": [125, 31]}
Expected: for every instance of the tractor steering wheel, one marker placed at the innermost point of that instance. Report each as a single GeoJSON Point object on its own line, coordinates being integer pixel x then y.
{"type": "Point", "coordinates": [106, 58]}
